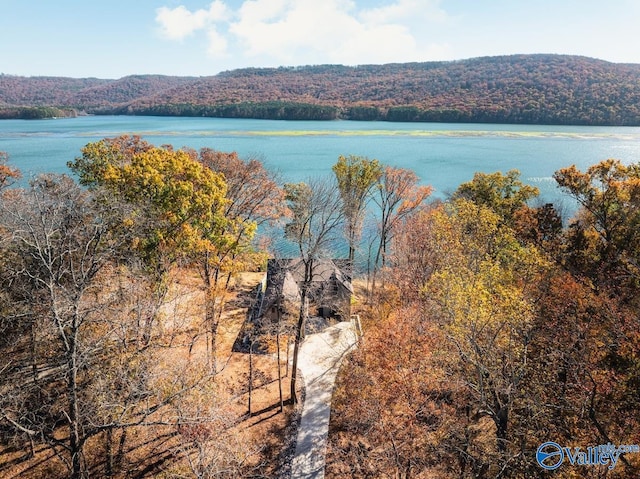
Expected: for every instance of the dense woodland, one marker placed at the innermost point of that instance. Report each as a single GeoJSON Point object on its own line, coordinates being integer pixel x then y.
{"type": "Point", "coordinates": [489, 326]}
{"type": "Point", "coordinates": [534, 89]}
{"type": "Point", "coordinates": [497, 329]}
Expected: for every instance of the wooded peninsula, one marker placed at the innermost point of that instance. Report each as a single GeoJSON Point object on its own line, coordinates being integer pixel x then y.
{"type": "Point", "coordinates": [148, 328]}
{"type": "Point", "coordinates": [516, 89]}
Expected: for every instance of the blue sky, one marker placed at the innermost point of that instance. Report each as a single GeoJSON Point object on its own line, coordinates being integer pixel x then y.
{"type": "Point", "coordinates": [115, 38]}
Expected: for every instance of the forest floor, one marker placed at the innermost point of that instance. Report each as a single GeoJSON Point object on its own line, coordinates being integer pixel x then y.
{"type": "Point", "coordinates": [262, 443]}
{"type": "Point", "coordinates": [273, 433]}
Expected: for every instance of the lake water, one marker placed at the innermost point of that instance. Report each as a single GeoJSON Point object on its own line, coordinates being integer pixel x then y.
{"type": "Point", "coordinates": [443, 155]}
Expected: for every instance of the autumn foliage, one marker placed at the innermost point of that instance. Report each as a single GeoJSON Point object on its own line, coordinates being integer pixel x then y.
{"type": "Point", "coordinates": [105, 356]}
{"type": "Point", "coordinates": [531, 89]}
{"type": "Point", "coordinates": [493, 327]}
{"type": "Point", "coordinates": [498, 331]}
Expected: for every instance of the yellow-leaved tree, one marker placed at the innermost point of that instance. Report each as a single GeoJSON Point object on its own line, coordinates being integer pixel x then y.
{"type": "Point", "coordinates": [481, 298]}
{"type": "Point", "coordinates": [174, 204]}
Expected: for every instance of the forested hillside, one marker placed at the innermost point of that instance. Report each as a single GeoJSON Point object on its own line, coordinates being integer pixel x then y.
{"type": "Point", "coordinates": [548, 89]}
{"type": "Point", "coordinates": [83, 93]}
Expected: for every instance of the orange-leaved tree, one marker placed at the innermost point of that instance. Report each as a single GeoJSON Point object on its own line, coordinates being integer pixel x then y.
{"type": "Point", "coordinates": [7, 174]}
{"type": "Point", "coordinates": [254, 199]}
{"type": "Point", "coordinates": [603, 241]}
{"type": "Point", "coordinates": [398, 195]}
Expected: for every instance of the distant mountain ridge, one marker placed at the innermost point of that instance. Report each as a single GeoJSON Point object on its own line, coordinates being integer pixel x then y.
{"type": "Point", "coordinates": [533, 89]}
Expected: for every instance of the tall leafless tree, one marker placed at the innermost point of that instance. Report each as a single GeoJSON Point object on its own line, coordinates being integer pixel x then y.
{"type": "Point", "coordinates": [63, 244]}
{"type": "Point", "coordinates": [75, 369]}
{"type": "Point", "coordinates": [314, 228]}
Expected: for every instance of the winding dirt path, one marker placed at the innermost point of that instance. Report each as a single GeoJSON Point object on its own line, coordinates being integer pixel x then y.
{"type": "Point", "coordinates": [320, 357]}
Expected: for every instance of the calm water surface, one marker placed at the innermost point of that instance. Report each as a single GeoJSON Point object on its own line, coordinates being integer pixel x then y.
{"type": "Point", "coordinates": [443, 155]}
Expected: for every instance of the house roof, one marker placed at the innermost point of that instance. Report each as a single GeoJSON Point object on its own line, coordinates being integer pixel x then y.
{"type": "Point", "coordinates": [284, 278]}
{"type": "Point", "coordinates": [324, 270]}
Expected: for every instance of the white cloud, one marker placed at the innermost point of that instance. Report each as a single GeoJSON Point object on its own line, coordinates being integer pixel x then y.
{"type": "Point", "coordinates": [179, 22]}
{"type": "Point", "coordinates": [293, 29]}
{"type": "Point", "coordinates": [388, 44]}
{"type": "Point", "coordinates": [256, 11]}
{"type": "Point", "coordinates": [294, 32]}
{"type": "Point", "coordinates": [217, 44]}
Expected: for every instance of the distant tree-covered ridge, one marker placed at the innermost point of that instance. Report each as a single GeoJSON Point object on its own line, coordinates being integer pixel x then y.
{"type": "Point", "coordinates": [531, 89]}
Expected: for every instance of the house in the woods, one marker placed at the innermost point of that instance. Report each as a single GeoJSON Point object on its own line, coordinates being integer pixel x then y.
{"type": "Point", "coordinates": [329, 295]}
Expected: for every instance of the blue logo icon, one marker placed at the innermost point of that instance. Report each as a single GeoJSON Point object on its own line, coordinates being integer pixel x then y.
{"type": "Point", "coordinates": [550, 456]}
